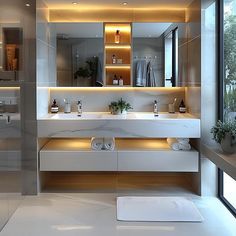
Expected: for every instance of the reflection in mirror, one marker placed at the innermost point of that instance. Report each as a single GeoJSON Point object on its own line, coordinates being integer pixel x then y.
{"type": "Point", "coordinates": [171, 58]}
{"type": "Point", "coordinates": [152, 55]}
{"type": "Point", "coordinates": [10, 51]}
{"type": "Point", "coordinates": [79, 54]}
{"type": "Point", "coordinates": [168, 60]}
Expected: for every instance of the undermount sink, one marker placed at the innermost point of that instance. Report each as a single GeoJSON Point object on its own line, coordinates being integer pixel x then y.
{"type": "Point", "coordinates": [73, 116]}
{"type": "Point", "coordinates": [109, 116]}
{"type": "Point", "coordinates": [151, 116]}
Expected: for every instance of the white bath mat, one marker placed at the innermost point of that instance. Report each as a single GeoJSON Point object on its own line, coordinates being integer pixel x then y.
{"type": "Point", "coordinates": [169, 209]}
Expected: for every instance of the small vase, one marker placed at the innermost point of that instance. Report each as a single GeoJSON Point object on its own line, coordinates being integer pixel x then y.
{"type": "Point", "coordinates": [228, 144]}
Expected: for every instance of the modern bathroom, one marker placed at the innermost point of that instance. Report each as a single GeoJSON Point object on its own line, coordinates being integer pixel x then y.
{"type": "Point", "coordinates": [117, 117]}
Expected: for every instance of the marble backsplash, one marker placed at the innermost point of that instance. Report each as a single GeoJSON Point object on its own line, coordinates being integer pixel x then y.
{"type": "Point", "coordinates": [98, 99]}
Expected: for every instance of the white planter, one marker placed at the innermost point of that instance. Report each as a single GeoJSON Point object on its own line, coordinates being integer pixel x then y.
{"type": "Point", "coordinates": [228, 144]}
{"type": "Point", "coordinates": [119, 113]}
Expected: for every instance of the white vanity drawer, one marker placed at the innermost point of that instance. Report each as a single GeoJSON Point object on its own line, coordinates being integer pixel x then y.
{"type": "Point", "coordinates": [166, 161]}
{"type": "Point", "coordinates": [78, 161]}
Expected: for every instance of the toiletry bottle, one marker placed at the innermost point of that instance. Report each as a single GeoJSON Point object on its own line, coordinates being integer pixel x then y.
{"type": "Point", "coordinates": [54, 107]}
{"type": "Point", "coordinates": [117, 37]}
{"type": "Point", "coordinates": [121, 81]}
{"type": "Point", "coordinates": [67, 106]}
{"type": "Point", "coordinates": [182, 107]}
{"type": "Point", "coordinates": [79, 108]}
{"type": "Point", "coordinates": [115, 80]}
{"type": "Point", "coordinates": [113, 59]}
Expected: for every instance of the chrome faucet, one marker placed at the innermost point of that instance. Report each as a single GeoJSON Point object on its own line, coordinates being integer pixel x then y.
{"type": "Point", "coordinates": [155, 108]}
{"type": "Point", "coordinates": [79, 107]}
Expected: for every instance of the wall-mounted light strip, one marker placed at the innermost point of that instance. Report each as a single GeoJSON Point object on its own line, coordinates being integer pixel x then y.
{"type": "Point", "coordinates": [9, 88]}
{"type": "Point", "coordinates": [122, 29]}
{"type": "Point", "coordinates": [117, 67]}
{"type": "Point", "coordinates": [118, 47]}
{"type": "Point", "coordinates": [107, 89]}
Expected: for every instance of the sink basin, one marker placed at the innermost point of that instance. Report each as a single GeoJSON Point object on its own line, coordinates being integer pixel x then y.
{"type": "Point", "coordinates": [151, 116]}
{"type": "Point", "coordinates": [109, 116]}
{"type": "Point", "coordinates": [74, 116]}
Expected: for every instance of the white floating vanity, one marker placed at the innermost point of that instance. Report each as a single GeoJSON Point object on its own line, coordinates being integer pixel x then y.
{"type": "Point", "coordinates": [130, 155]}
{"type": "Point", "coordinates": [141, 144]}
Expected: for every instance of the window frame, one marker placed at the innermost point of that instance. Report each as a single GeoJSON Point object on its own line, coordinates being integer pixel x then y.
{"type": "Point", "coordinates": [221, 75]}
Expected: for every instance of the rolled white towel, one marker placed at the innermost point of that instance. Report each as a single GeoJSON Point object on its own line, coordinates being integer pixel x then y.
{"type": "Point", "coordinates": [176, 146]}
{"type": "Point", "coordinates": [183, 140]}
{"type": "Point", "coordinates": [109, 144]}
{"type": "Point", "coordinates": [97, 143]}
{"type": "Point", "coordinates": [184, 147]}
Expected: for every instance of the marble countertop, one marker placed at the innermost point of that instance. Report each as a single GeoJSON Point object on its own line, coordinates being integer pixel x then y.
{"type": "Point", "coordinates": [133, 125]}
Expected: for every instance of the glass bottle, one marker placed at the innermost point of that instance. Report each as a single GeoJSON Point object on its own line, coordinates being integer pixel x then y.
{"type": "Point", "coordinates": [113, 59]}
{"type": "Point", "coordinates": [117, 37]}
{"type": "Point", "coordinates": [54, 107]}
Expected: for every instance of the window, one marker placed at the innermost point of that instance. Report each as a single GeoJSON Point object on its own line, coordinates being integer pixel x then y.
{"type": "Point", "coordinates": [227, 88]}
{"type": "Point", "coordinates": [171, 58]}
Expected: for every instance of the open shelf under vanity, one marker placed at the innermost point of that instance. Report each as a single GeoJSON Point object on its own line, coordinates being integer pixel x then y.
{"type": "Point", "coordinates": [71, 164]}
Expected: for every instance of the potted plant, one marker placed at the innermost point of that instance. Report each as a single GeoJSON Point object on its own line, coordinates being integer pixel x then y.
{"type": "Point", "coordinates": [224, 133]}
{"type": "Point", "coordinates": [120, 107]}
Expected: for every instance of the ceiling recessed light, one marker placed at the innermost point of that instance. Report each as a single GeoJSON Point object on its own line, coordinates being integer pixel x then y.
{"type": "Point", "coordinates": [27, 5]}
{"type": "Point", "coordinates": [74, 3]}
{"type": "Point", "coordinates": [125, 3]}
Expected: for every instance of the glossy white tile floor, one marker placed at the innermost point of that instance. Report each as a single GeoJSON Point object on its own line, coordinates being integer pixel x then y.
{"type": "Point", "coordinates": [95, 215]}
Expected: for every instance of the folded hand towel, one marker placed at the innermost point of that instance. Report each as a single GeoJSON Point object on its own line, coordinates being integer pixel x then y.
{"type": "Point", "coordinates": [97, 143]}
{"type": "Point", "coordinates": [109, 144]}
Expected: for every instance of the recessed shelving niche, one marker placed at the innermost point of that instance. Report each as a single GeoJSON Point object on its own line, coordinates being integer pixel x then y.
{"type": "Point", "coordinates": [121, 49]}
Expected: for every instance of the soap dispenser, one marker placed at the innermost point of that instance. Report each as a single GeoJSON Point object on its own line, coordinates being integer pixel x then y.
{"type": "Point", "coordinates": [182, 107]}
{"type": "Point", "coordinates": [54, 107]}
{"type": "Point", "coordinates": [79, 108]}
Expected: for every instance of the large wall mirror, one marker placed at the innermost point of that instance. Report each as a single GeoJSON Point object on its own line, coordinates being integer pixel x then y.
{"type": "Point", "coordinates": [82, 57]}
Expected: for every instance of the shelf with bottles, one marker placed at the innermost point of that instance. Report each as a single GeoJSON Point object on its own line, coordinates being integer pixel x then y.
{"type": "Point", "coordinates": [118, 76]}
{"type": "Point", "coordinates": [11, 47]}
{"type": "Point", "coordinates": [117, 33]}
{"type": "Point", "coordinates": [118, 56]}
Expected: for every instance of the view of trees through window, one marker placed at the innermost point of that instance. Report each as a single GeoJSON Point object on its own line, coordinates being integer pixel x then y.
{"type": "Point", "coordinates": [230, 59]}
{"type": "Point", "coordinates": [229, 184]}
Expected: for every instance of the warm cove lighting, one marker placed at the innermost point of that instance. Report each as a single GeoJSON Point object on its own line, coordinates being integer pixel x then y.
{"type": "Point", "coordinates": [9, 88]}
{"type": "Point", "coordinates": [108, 89]}
{"type": "Point", "coordinates": [118, 47]}
{"type": "Point", "coordinates": [111, 28]}
{"type": "Point", "coordinates": [117, 67]}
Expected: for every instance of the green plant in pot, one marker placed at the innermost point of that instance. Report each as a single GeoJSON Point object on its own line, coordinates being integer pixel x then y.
{"type": "Point", "coordinates": [224, 133]}
{"type": "Point", "coordinates": [120, 107]}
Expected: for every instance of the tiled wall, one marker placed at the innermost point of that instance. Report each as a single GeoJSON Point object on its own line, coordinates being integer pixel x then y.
{"type": "Point", "coordinates": [46, 58]}
{"type": "Point", "coordinates": [98, 99]}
